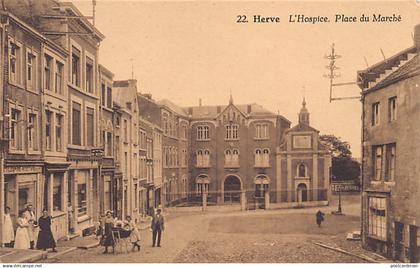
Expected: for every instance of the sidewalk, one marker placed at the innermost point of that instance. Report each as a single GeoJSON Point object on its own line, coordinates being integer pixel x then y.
{"type": "Point", "coordinates": [11, 255]}
{"type": "Point", "coordinates": [91, 241]}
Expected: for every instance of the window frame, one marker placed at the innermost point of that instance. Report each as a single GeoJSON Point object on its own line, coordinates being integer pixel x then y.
{"type": "Point", "coordinates": [376, 112]}
{"type": "Point", "coordinates": [392, 108]}
{"type": "Point", "coordinates": [375, 217]}
{"type": "Point", "coordinates": [17, 57]}
{"type": "Point", "coordinates": [32, 84]}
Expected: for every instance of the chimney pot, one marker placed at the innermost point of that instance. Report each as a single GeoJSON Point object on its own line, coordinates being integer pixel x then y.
{"type": "Point", "coordinates": [249, 108]}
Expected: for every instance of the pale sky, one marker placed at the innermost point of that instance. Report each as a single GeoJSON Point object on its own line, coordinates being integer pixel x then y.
{"type": "Point", "coordinates": [186, 50]}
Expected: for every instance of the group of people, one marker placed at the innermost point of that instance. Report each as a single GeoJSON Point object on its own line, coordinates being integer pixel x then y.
{"type": "Point", "coordinates": [109, 226]}
{"type": "Point", "coordinates": [27, 229]}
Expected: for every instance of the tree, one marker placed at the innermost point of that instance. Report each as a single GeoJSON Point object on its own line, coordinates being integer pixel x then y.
{"type": "Point", "coordinates": [343, 166]}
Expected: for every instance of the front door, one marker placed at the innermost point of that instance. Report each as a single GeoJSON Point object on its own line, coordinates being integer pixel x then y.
{"type": "Point", "coordinates": [414, 249]}
{"type": "Point", "coordinates": [232, 189]}
{"type": "Point", "coordinates": [399, 241]}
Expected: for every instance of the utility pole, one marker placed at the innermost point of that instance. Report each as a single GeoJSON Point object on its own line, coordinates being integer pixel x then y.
{"type": "Point", "coordinates": [332, 74]}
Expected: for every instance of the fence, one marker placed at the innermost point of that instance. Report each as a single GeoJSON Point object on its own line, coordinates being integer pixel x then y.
{"type": "Point", "coordinates": [252, 199]}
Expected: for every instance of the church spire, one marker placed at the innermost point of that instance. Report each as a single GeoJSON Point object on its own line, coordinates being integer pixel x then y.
{"type": "Point", "coordinates": [304, 114]}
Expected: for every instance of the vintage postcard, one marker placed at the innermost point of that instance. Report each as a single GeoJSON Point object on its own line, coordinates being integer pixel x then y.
{"type": "Point", "coordinates": [209, 132]}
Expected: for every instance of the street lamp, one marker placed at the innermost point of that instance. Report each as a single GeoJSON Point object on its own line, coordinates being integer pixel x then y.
{"type": "Point", "coordinates": [339, 201]}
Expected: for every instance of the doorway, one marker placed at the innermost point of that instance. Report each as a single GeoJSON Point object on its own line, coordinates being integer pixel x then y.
{"type": "Point", "coordinates": [302, 193]}
{"type": "Point", "coordinates": [232, 189]}
{"type": "Point", "coordinates": [399, 241]}
{"type": "Point", "coordinates": [414, 249]}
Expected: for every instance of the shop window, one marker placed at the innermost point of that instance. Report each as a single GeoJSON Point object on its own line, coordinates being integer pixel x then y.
{"type": "Point", "coordinates": [377, 217]}
{"type": "Point", "coordinates": [57, 193]}
{"type": "Point", "coordinates": [81, 199]}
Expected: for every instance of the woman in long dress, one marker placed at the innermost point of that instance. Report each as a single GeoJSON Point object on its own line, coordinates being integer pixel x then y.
{"type": "Point", "coordinates": [45, 237]}
{"type": "Point", "coordinates": [22, 240]}
{"type": "Point", "coordinates": [108, 237]}
{"type": "Point", "coordinates": [135, 234]}
{"type": "Point", "coordinates": [8, 231]}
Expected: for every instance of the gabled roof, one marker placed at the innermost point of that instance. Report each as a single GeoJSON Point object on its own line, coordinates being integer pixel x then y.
{"type": "Point", "coordinates": [384, 69]}
{"type": "Point", "coordinates": [214, 111]}
{"type": "Point", "coordinates": [172, 106]}
{"type": "Point", "coordinates": [302, 127]}
{"type": "Point", "coordinates": [412, 67]}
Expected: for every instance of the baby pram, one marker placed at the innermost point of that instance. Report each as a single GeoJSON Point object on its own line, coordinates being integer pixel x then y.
{"type": "Point", "coordinates": [121, 238]}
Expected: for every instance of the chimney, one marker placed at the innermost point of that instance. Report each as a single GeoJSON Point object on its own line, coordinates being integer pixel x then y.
{"type": "Point", "coordinates": [148, 96]}
{"type": "Point", "coordinates": [199, 102]}
{"type": "Point", "coordinates": [219, 109]}
{"type": "Point", "coordinates": [190, 110]}
{"type": "Point", "coordinates": [417, 36]}
{"type": "Point", "coordinates": [249, 108]}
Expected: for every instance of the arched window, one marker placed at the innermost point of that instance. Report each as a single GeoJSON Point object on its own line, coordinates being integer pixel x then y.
{"type": "Point", "coordinates": [228, 157]}
{"type": "Point", "coordinates": [235, 157]}
{"type": "Point", "coordinates": [266, 158]}
{"type": "Point", "coordinates": [202, 184]}
{"type": "Point", "coordinates": [206, 158]}
{"type": "Point", "coordinates": [199, 158]}
{"type": "Point", "coordinates": [258, 158]}
{"type": "Point", "coordinates": [302, 171]}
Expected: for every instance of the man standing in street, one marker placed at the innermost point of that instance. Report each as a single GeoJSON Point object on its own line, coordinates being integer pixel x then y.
{"type": "Point", "coordinates": [157, 227]}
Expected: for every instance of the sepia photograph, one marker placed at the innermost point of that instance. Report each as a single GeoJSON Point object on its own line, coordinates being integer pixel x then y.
{"type": "Point", "coordinates": [209, 132]}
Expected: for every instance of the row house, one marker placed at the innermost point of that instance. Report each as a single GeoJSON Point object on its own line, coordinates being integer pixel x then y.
{"type": "Point", "coordinates": [175, 172]}
{"type": "Point", "coordinates": [108, 181]}
{"type": "Point", "coordinates": [127, 142]}
{"type": "Point", "coordinates": [52, 97]}
{"type": "Point", "coordinates": [391, 167]}
{"type": "Point", "coordinates": [170, 149]}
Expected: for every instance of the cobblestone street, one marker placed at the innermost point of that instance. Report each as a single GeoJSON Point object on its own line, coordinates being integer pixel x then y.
{"type": "Point", "coordinates": [253, 236]}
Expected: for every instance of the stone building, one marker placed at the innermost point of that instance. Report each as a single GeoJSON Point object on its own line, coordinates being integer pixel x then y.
{"type": "Point", "coordinates": [303, 165]}
{"type": "Point", "coordinates": [69, 109]}
{"type": "Point", "coordinates": [107, 183]}
{"type": "Point", "coordinates": [127, 139]}
{"type": "Point", "coordinates": [391, 167]}
{"type": "Point", "coordinates": [232, 150]}
{"type": "Point", "coordinates": [21, 61]}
